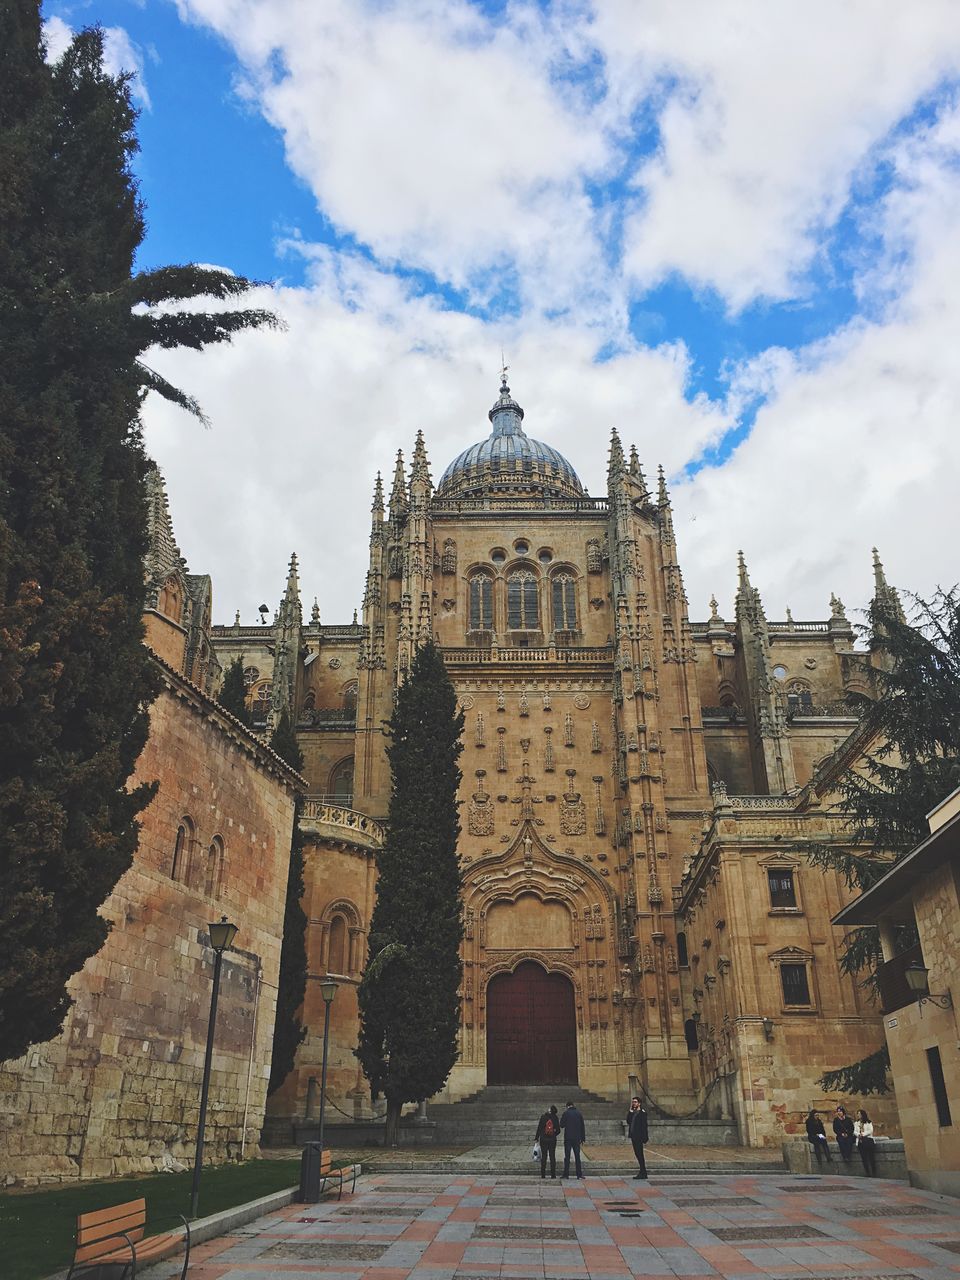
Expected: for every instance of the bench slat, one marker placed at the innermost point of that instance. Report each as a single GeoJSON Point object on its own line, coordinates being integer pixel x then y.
{"type": "Point", "coordinates": [102, 1249]}
{"type": "Point", "coordinates": [133, 1226]}
{"type": "Point", "coordinates": [96, 1216]}
{"type": "Point", "coordinates": [153, 1246]}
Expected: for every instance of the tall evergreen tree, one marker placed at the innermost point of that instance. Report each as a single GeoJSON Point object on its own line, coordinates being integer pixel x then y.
{"type": "Point", "coordinates": [289, 1031]}
{"type": "Point", "coordinates": [912, 762]}
{"type": "Point", "coordinates": [233, 695]}
{"type": "Point", "coordinates": [75, 683]}
{"type": "Point", "coordinates": [409, 994]}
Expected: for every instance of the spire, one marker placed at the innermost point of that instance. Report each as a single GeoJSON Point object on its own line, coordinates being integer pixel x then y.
{"type": "Point", "coordinates": [398, 494]}
{"type": "Point", "coordinates": [617, 465]}
{"type": "Point", "coordinates": [742, 575]}
{"type": "Point", "coordinates": [293, 580]}
{"type": "Point", "coordinates": [506, 415]}
{"type": "Point", "coordinates": [636, 471]}
{"type": "Point", "coordinates": [666, 511]}
{"type": "Point", "coordinates": [315, 612]}
{"type": "Point", "coordinates": [883, 594]}
{"type": "Point", "coordinates": [420, 469]}
{"type": "Point", "coordinates": [377, 507]}
{"type": "Point", "coordinates": [663, 497]}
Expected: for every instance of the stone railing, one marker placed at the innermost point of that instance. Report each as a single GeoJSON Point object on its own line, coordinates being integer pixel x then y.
{"type": "Point", "coordinates": [722, 713]}
{"type": "Point", "coordinates": [337, 822]}
{"type": "Point", "coordinates": [327, 718]}
{"type": "Point", "coordinates": [832, 710]}
{"type": "Point", "coordinates": [504, 502]}
{"type": "Point", "coordinates": [548, 653]}
{"type": "Point", "coordinates": [722, 799]}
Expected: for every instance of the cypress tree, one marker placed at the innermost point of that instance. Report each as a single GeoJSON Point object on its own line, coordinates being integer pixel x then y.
{"type": "Point", "coordinates": [233, 694]}
{"type": "Point", "coordinates": [409, 994]}
{"type": "Point", "coordinates": [913, 725]}
{"type": "Point", "coordinates": [289, 1031]}
{"type": "Point", "coordinates": [75, 682]}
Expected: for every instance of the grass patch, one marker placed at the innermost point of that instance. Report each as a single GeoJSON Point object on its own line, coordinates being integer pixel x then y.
{"type": "Point", "coordinates": [37, 1226]}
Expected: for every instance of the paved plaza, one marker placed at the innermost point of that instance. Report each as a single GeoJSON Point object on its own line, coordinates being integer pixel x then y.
{"type": "Point", "coordinates": [465, 1226]}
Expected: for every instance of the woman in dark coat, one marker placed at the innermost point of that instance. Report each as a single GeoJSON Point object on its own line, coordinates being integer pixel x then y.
{"type": "Point", "coordinates": [818, 1138]}
{"type": "Point", "coordinates": [843, 1132]}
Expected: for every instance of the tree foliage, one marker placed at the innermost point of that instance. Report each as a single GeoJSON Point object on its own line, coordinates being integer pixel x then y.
{"type": "Point", "coordinates": [914, 726]}
{"type": "Point", "coordinates": [409, 995]}
{"type": "Point", "coordinates": [233, 694]}
{"type": "Point", "coordinates": [289, 1031]}
{"type": "Point", "coordinates": [75, 681]}
{"type": "Point", "coordinates": [869, 1075]}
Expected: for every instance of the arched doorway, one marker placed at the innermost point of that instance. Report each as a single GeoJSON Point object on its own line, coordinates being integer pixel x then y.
{"type": "Point", "coordinates": [531, 1027]}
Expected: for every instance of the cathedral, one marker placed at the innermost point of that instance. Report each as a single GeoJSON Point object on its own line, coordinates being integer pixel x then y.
{"type": "Point", "coordinates": [636, 790]}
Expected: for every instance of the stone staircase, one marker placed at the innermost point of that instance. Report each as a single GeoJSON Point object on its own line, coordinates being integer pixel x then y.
{"type": "Point", "coordinates": [508, 1115]}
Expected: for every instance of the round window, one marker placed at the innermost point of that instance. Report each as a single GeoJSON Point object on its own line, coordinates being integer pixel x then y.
{"type": "Point", "coordinates": [544, 556]}
{"type": "Point", "coordinates": [521, 546]}
{"type": "Point", "coordinates": [780, 673]}
{"type": "Point", "coordinates": [498, 555]}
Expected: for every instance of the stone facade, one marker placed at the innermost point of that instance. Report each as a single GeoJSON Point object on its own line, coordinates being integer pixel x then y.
{"type": "Point", "coordinates": [923, 891]}
{"type": "Point", "coordinates": [119, 1090]}
{"type": "Point", "coordinates": [629, 777]}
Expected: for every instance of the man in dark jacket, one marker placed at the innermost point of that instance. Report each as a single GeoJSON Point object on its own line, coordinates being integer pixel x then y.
{"type": "Point", "coordinates": [639, 1133]}
{"type": "Point", "coordinates": [574, 1133]}
{"type": "Point", "coordinates": [547, 1131]}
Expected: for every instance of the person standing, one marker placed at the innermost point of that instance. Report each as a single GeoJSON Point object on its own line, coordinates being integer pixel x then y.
{"type": "Point", "coordinates": [638, 1131]}
{"type": "Point", "coordinates": [547, 1131]}
{"type": "Point", "coordinates": [843, 1132]}
{"type": "Point", "coordinates": [818, 1138]}
{"type": "Point", "coordinates": [863, 1132]}
{"type": "Point", "coordinates": [574, 1133]}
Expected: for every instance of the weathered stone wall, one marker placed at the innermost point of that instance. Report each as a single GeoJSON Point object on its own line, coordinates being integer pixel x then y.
{"type": "Point", "coordinates": [771, 1052]}
{"type": "Point", "coordinates": [118, 1091]}
{"type": "Point", "coordinates": [933, 1151]}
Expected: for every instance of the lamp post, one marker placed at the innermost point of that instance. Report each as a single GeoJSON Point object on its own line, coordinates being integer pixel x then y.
{"type": "Point", "coordinates": [328, 989]}
{"type": "Point", "coordinates": [221, 936]}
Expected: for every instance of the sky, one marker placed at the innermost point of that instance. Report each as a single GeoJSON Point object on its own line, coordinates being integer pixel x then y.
{"type": "Point", "coordinates": [731, 231]}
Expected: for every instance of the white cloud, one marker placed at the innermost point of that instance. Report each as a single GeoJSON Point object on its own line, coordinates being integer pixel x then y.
{"type": "Point", "coordinates": [774, 109]}
{"type": "Point", "coordinates": [858, 442]}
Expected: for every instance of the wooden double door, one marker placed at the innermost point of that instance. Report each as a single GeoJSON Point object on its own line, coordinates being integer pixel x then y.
{"type": "Point", "coordinates": [531, 1027]}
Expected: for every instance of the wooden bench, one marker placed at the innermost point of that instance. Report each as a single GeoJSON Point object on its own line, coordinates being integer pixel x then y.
{"type": "Point", "coordinates": [115, 1238]}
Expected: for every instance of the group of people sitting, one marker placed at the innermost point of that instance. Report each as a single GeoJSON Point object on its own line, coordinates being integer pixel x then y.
{"type": "Point", "coordinates": [848, 1133]}
{"type": "Point", "coordinates": [575, 1135]}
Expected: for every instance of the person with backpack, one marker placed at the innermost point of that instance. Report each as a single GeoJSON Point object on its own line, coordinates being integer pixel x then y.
{"type": "Point", "coordinates": [547, 1131]}
{"type": "Point", "coordinates": [638, 1133]}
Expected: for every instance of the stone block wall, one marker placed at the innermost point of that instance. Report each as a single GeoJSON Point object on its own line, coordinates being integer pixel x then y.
{"type": "Point", "coordinates": [118, 1091]}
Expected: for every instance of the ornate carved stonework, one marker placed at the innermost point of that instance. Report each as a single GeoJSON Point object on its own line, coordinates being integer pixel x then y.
{"type": "Point", "coordinates": [573, 815]}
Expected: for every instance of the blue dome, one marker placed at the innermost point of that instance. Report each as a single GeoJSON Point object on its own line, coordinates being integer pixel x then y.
{"type": "Point", "coordinates": [509, 459]}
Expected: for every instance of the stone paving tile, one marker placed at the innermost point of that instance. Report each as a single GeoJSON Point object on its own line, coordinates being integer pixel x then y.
{"type": "Point", "coordinates": [731, 1227]}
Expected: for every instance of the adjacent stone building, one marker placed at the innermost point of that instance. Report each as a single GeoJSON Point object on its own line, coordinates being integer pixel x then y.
{"type": "Point", "coordinates": [118, 1091]}
{"type": "Point", "coordinates": [922, 892]}
{"type": "Point", "coordinates": [632, 784]}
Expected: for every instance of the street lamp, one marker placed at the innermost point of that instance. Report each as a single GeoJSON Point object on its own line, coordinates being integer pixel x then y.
{"type": "Point", "coordinates": [222, 935]}
{"type": "Point", "coordinates": [916, 976]}
{"type": "Point", "coordinates": [328, 989]}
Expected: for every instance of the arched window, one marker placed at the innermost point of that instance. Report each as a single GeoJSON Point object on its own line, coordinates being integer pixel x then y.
{"type": "Point", "coordinates": [341, 782]}
{"type": "Point", "coordinates": [682, 958]}
{"type": "Point", "coordinates": [690, 1034]}
{"type": "Point", "coordinates": [309, 700]}
{"type": "Point", "coordinates": [169, 602]}
{"type": "Point", "coordinates": [350, 694]}
{"type": "Point", "coordinates": [523, 613]}
{"type": "Point", "coordinates": [481, 603]}
{"type": "Point", "coordinates": [214, 877]}
{"type": "Point", "coordinates": [180, 866]}
{"type": "Point", "coordinates": [564, 602]}
{"type": "Point", "coordinates": [250, 676]}
{"type": "Point", "coordinates": [337, 958]}
{"type": "Point", "coordinates": [261, 701]}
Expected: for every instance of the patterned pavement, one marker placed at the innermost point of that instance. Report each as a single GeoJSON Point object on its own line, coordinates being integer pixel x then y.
{"type": "Point", "coordinates": [468, 1227]}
